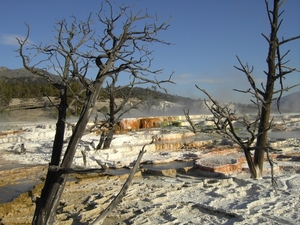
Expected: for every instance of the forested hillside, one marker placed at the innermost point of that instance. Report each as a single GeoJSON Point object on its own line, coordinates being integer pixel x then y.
{"type": "Point", "coordinates": [19, 83]}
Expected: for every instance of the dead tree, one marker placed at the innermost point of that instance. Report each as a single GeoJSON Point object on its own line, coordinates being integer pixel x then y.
{"type": "Point", "coordinates": [116, 111]}
{"type": "Point", "coordinates": [59, 57]}
{"type": "Point", "coordinates": [189, 120]}
{"type": "Point", "coordinates": [121, 47]}
{"type": "Point", "coordinates": [262, 97]}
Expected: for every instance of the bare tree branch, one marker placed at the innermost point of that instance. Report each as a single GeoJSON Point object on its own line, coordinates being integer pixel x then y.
{"type": "Point", "coordinates": [122, 192]}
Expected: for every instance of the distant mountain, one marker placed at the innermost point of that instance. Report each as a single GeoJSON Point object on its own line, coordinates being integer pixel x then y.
{"type": "Point", "coordinates": [290, 103]}
{"type": "Point", "coordinates": [23, 75]}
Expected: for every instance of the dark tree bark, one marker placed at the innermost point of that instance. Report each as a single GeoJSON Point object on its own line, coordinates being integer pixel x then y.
{"type": "Point", "coordinates": [52, 176]}
{"type": "Point", "coordinates": [60, 128]}
{"type": "Point", "coordinates": [112, 115]}
{"type": "Point", "coordinates": [109, 137]}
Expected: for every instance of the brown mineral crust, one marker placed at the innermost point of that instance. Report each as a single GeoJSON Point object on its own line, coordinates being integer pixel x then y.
{"type": "Point", "coordinates": [129, 124]}
{"type": "Point", "coordinates": [150, 122]}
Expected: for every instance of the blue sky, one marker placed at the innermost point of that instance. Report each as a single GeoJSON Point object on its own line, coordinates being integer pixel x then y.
{"type": "Point", "coordinates": [206, 36]}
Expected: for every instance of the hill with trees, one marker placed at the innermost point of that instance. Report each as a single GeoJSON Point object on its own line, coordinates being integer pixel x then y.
{"type": "Point", "coordinates": [19, 83]}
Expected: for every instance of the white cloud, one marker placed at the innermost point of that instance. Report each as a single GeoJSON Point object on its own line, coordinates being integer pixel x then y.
{"type": "Point", "coordinates": [10, 39]}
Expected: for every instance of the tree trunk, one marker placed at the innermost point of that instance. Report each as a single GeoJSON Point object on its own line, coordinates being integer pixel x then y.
{"type": "Point", "coordinates": [110, 132]}
{"type": "Point", "coordinates": [102, 139]}
{"type": "Point", "coordinates": [261, 142]}
{"type": "Point", "coordinates": [250, 162]}
{"type": "Point", "coordinates": [60, 128]}
{"type": "Point", "coordinates": [266, 106]}
{"type": "Point", "coordinates": [51, 179]}
{"type": "Point", "coordinates": [109, 137]}
{"type": "Point", "coordinates": [47, 205]}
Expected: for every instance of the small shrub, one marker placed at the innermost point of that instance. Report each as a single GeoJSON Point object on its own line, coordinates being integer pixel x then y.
{"type": "Point", "coordinates": [177, 123]}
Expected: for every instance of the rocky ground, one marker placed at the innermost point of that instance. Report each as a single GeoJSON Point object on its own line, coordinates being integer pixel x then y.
{"type": "Point", "coordinates": [208, 193]}
{"type": "Point", "coordinates": [174, 198]}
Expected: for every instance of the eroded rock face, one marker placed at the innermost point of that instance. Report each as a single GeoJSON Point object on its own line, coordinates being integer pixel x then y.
{"type": "Point", "coordinates": [224, 164]}
{"type": "Point", "coordinates": [222, 161]}
{"type": "Point", "coordinates": [129, 124]}
{"type": "Point", "coordinates": [167, 172]}
{"type": "Point", "coordinates": [148, 122]}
